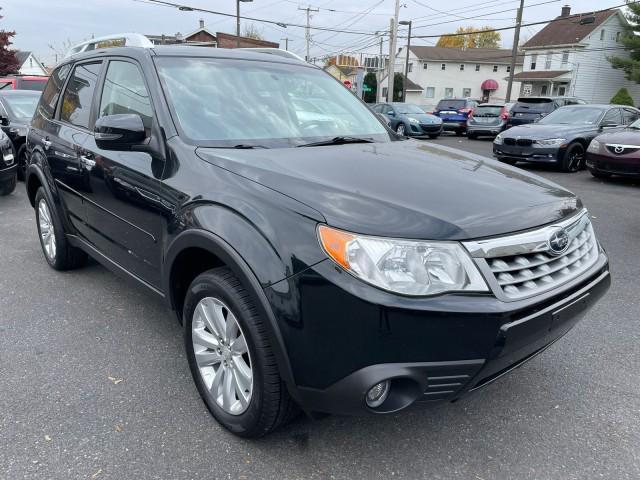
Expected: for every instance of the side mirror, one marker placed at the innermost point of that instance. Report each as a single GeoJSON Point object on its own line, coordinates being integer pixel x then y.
{"type": "Point", "coordinates": [4, 121]}
{"type": "Point", "coordinates": [119, 132]}
{"type": "Point", "coordinates": [608, 125]}
{"type": "Point", "coordinates": [392, 113]}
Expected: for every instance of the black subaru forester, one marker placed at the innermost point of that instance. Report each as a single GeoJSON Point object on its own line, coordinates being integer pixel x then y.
{"type": "Point", "coordinates": [316, 260]}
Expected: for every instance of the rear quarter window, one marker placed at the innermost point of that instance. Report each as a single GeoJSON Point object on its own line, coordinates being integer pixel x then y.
{"type": "Point", "coordinates": [51, 92]}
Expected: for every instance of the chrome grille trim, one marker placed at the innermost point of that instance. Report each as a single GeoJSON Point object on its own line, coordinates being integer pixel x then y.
{"type": "Point", "coordinates": [522, 265]}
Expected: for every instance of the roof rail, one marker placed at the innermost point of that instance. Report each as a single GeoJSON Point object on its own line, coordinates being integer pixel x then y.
{"type": "Point", "coordinates": [108, 41]}
{"type": "Point", "coordinates": [276, 51]}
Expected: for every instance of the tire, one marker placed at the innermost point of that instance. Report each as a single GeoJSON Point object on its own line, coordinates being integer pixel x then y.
{"type": "Point", "coordinates": [8, 186]}
{"type": "Point", "coordinates": [573, 159]}
{"type": "Point", "coordinates": [22, 162]}
{"type": "Point", "coordinates": [266, 403]}
{"type": "Point", "coordinates": [57, 251]}
{"type": "Point", "coordinates": [434, 135]}
{"type": "Point", "coordinates": [401, 130]}
{"type": "Point", "coordinates": [599, 174]}
{"type": "Point", "coordinates": [471, 136]}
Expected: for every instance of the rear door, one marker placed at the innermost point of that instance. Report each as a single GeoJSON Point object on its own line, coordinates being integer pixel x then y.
{"type": "Point", "coordinates": [125, 201]}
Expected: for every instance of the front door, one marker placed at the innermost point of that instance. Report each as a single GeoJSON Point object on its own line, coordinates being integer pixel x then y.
{"type": "Point", "coordinates": [124, 205]}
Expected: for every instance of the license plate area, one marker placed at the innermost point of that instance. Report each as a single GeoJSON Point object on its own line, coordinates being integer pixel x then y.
{"type": "Point", "coordinates": [571, 312]}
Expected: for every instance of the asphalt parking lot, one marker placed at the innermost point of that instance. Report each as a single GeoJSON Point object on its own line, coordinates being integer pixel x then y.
{"type": "Point", "coordinates": [94, 384]}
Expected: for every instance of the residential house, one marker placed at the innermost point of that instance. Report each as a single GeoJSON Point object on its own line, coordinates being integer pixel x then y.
{"type": "Point", "coordinates": [29, 64]}
{"type": "Point", "coordinates": [569, 57]}
{"type": "Point", "coordinates": [204, 37]}
{"type": "Point", "coordinates": [343, 73]}
{"type": "Point", "coordinates": [437, 73]}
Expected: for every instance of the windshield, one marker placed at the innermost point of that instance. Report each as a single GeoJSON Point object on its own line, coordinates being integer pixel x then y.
{"type": "Point", "coordinates": [574, 116]}
{"type": "Point", "coordinates": [488, 111]}
{"type": "Point", "coordinates": [408, 108]}
{"type": "Point", "coordinates": [22, 106]}
{"type": "Point", "coordinates": [224, 103]}
{"type": "Point", "coordinates": [534, 106]}
{"type": "Point", "coordinates": [451, 104]}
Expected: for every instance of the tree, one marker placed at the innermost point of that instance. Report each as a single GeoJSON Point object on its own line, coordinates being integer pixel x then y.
{"type": "Point", "coordinates": [8, 59]}
{"type": "Point", "coordinates": [471, 37]}
{"type": "Point", "coordinates": [622, 98]}
{"type": "Point", "coordinates": [371, 81]}
{"type": "Point", "coordinates": [251, 31]}
{"type": "Point", "coordinates": [631, 42]}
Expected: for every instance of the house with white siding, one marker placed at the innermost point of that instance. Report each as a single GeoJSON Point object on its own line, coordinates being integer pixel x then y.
{"type": "Point", "coordinates": [437, 72]}
{"type": "Point", "coordinates": [29, 64]}
{"type": "Point", "coordinates": [568, 57]}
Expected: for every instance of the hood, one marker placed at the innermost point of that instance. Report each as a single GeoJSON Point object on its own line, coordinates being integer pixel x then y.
{"type": "Point", "coordinates": [404, 189]}
{"type": "Point", "coordinates": [423, 117]}
{"type": "Point", "coordinates": [541, 131]}
{"type": "Point", "coordinates": [628, 136]}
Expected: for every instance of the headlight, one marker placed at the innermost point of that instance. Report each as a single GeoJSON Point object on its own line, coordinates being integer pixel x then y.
{"type": "Point", "coordinates": [551, 142]}
{"type": "Point", "coordinates": [498, 140]}
{"type": "Point", "coordinates": [413, 120]}
{"type": "Point", "coordinates": [594, 146]}
{"type": "Point", "coordinates": [407, 267]}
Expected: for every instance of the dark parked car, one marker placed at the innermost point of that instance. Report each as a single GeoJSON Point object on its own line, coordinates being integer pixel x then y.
{"type": "Point", "coordinates": [488, 119]}
{"type": "Point", "coordinates": [410, 120]}
{"type": "Point", "coordinates": [563, 136]}
{"type": "Point", "coordinates": [8, 167]}
{"type": "Point", "coordinates": [531, 109]}
{"type": "Point", "coordinates": [615, 153]}
{"type": "Point", "coordinates": [455, 112]}
{"type": "Point", "coordinates": [332, 266]}
{"type": "Point", "coordinates": [16, 110]}
{"type": "Point", "coordinates": [23, 82]}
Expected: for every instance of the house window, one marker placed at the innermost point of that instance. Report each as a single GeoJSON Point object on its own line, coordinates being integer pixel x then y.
{"type": "Point", "coordinates": [430, 92]}
{"type": "Point", "coordinates": [462, 67]}
{"type": "Point", "coordinates": [411, 67]}
{"type": "Point", "coordinates": [466, 92]}
{"type": "Point", "coordinates": [448, 92]}
{"type": "Point", "coordinates": [495, 68]}
{"type": "Point", "coordinates": [617, 36]}
{"type": "Point", "coordinates": [543, 90]}
{"type": "Point", "coordinates": [602, 34]}
{"type": "Point", "coordinates": [534, 59]}
{"type": "Point", "coordinates": [562, 90]}
{"type": "Point", "coordinates": [508, 68]}
{"type": "Point", "coordinates": [477, 68]}
{"type": "Point", "coordinates": [443, 67]}
{"type": "Point", "coordinates": [547, 61]}
{"type": "Point", "coordinates": [384, 92]}
{"type": "Point", "coordinates": [424, 67]}
{"type": "Point", "coordinates": [565, 59]}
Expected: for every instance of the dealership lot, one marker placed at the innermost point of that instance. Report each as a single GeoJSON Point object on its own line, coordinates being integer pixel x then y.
{"type": "Point", "coordinates": [95, 383]}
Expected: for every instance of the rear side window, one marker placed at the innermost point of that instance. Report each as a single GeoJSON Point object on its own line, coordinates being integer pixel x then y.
{"type": "Point", "coordinates": [629, 116]}
{"type": "Point", "coordinates": [125, 92]}
{"type": "Point", "coordinates": [51, 93]}
{"type": "Point", "coordinates": [76, 102]}
{"type": "Point", "coordinates": [451, 104]}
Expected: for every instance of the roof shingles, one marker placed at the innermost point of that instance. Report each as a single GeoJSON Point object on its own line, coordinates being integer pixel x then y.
{"type": "Point", "coordinates": [480, 55]}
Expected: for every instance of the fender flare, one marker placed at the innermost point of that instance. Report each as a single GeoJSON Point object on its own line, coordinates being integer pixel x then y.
{"type": "Point", "coordinates": [197, 238]}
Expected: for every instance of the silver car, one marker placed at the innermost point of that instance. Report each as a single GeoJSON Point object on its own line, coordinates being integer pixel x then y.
{"type": "Point", "coordinates": [488, 119]}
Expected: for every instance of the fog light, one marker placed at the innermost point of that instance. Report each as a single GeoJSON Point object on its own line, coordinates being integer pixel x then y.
{"type": "Point", "coordinates": [378, 394]}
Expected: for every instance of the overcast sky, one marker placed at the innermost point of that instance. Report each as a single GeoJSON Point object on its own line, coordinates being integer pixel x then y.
{"type": "Point", "coordinates": [40, 23]}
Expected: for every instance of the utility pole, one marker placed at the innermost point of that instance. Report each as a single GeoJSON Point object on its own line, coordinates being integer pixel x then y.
{"type": "Point", "coordinates": [286, 43]}
{"type": "Point", "coordinates": [380, 72]}
{"type": "Point", "coordinates": [238, 21]}
{"type": "Point", "coordinates": [392, 51]}
{"type": "Point", "coordinates": [406, 62]}
{"type": "Point", "coordinates": [514, 50]}
{"type": "Point", "coordinates": [308, 29]}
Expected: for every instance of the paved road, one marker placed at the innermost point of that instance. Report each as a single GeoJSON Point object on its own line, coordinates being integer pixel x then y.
{"type": "Point", "coordinates": [94, 384]}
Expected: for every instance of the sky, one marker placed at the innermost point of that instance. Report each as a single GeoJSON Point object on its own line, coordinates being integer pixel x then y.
{"type": "Point", "coordinates": [46, 26]}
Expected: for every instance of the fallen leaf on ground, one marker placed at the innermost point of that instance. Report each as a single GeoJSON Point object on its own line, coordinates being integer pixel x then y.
{"type": "Point", "coordinates": [115, 380]}
{"type": "Point", "coordinates": [95, 475]}
{"type": "Point", "coordinates": [47, 438]}
{"type": "Point", "coordinates": [118, 428]}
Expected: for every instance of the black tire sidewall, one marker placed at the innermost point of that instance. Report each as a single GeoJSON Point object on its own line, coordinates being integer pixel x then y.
{"type": "Point", "coordinates": [210, 285]}
{"type": "Point", "coordinates": [8, 186]}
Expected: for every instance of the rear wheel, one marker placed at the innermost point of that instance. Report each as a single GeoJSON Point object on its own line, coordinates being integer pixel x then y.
{"type": "Point", "coordinates": [573, 159]}
{"type": "Point", "coordinates": [231, 358]}
{"type": "Point", "coordinates": [8, 186]}
{"type": "Point", "coordinates": [400, 130]}
{"type": "Point", "coordinates": [58, 252]}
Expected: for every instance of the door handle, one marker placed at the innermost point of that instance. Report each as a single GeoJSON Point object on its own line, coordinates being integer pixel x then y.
{"type": "Point", "coordinates": [46, 143]}
{"type": "Point", "coordinates": [87, 162]}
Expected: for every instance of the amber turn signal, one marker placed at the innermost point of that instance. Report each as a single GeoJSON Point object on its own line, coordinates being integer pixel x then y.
{"type": "Point", "coordinates": [335, 243]}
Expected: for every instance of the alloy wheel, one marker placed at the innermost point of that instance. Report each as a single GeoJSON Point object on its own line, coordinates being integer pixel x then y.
{"type": "Point", "coordinates": [47, 234]}
{"type": "Point", "coordinates": [222, 356]}
{"type": "Point", "coordinates": [575, 160]}
{"type": "Point", "coordinates": [400, 129]}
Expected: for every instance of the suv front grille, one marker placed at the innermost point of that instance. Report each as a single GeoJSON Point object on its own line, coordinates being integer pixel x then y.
{"type": "Point", "coordinates": [525, 264]}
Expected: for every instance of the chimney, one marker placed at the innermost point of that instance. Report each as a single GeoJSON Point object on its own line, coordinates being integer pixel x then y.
{"type": "Point", "coordinates": [202, 23]}
{"type": "Point", "coordinates": [566, 11]}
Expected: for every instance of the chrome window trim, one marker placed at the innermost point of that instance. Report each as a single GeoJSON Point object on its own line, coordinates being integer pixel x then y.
{"type": "Point", "coordinates": [523, 243]}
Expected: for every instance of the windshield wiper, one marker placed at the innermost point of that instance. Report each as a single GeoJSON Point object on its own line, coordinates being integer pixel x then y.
{"type": "Point", "coordinates": [338, 141]}
{"type": "Point", "coordinates": [241, 146]}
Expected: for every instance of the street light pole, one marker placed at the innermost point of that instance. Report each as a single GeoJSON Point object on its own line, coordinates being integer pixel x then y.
{"type": "Point", "coordinates": [238, 21]}
{"type": "Point", "coordinates": [406, 61]}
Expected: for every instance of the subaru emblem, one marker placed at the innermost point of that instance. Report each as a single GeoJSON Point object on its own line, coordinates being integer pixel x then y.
{"type": "Point", "coordinates": [558, 242]}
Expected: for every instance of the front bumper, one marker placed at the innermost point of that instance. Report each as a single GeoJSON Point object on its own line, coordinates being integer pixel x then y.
{"type": "Point", "coordinates": [453, 125]}
{"type": "Point", "coordinates": [614, 165]}
{"type": "Point", "coordinates": [422, 130]}
{"type": "Point", "coordinates": [348, 336]}
{"type": "Point", "coordinates": [528, 153]}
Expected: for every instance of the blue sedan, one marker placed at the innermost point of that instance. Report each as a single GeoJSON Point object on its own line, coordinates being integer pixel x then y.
{"type": "Point", "coordinates": [410, 120]}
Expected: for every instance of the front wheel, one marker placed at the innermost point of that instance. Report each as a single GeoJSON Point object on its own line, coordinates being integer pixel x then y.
{"type": "Point", "coordinates": [573, 159]}
{"type": "Point", "coordinates": [8, 186]}
{"type": "Point", "coordinates": [400, 130]}
{"type": "Point", "coordinates": [230, 356]}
